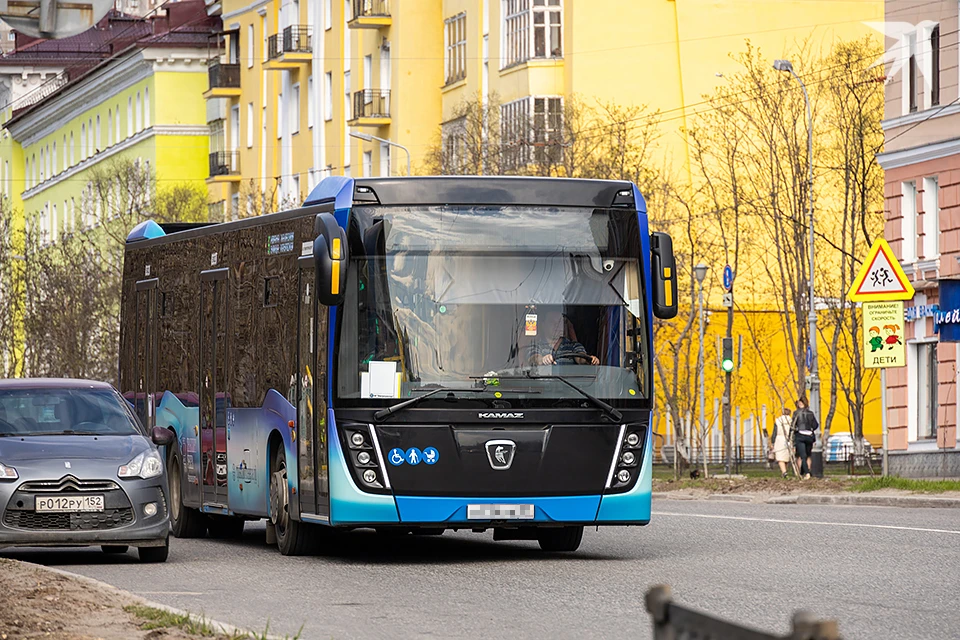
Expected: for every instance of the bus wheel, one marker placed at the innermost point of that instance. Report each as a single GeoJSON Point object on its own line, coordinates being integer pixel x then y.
{"type": "Point", "coordinates": [184, 521]}
{"type": "Point", "coordinates": [224, 527]}
{"type": "Point", "coordinates": [292, 536]}
{"type": "Point", "coordinates": [562, 539]}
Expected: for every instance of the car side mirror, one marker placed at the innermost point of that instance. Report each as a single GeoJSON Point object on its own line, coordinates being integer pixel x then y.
{"type": "Point", "coordinates": [664, 276]}
{"type": "Point", "coordinates": [330, 259]}
{"type": "Point", "coordinates": [162, 437]}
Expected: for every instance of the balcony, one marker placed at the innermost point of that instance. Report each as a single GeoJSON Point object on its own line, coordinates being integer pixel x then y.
{"type": "Point", "coordinates": [289, 49]}
{"type": "Point", "coordinates": [224, 80]}
{"type": "Point", "coordinates": [371, 107]}
{"type": "Point", "coordinates": [224, 166]}
{"type": "Point", "coordinates": [370, 14]}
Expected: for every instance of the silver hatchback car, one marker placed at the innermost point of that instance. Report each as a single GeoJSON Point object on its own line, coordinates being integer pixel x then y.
{"type": "Point", "coordinates": [78, 469]}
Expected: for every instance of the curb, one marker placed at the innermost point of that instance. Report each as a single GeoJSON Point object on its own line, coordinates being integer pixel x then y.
{"type": "Point", "coordinates": [669, 495]}
{"type": "Point", "coordinates": [878, 501]}
{"type": "Point", "coordinates": [729, 497]}
{"type": "Point", "coordinates": [219, 627]}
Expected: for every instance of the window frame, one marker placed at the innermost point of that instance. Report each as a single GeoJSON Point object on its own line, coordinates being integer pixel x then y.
{"type": "Point", "coordinates": [455, 48]}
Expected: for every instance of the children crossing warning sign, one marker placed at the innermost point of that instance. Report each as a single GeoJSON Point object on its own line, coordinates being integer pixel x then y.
{"type": "Point", "coordinates": [881, 277]}
{"type": "Point", "coordinates": [883, 335]}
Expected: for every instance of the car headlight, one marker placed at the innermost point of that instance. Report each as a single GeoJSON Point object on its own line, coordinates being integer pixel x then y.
{"type": "Point", "coordinates": [7, 473]}
{"type": "Point", "coordinates": [146, 465]}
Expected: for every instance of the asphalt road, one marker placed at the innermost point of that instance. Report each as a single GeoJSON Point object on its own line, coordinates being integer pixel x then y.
{"type": "Point", "coordinates": [881, 572]}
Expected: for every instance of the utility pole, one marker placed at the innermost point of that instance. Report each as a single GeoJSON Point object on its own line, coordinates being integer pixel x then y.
{"type": "Point", "coordinates": [726, 363]}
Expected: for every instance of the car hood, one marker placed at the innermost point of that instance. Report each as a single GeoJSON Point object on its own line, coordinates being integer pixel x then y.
{"type": "Point", "coordinates": [114, 448]}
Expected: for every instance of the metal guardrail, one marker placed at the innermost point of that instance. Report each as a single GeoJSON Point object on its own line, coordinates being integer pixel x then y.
{"type": "Point", "coordinates": [377, 8]}
{"type": "Point", "coordinates": [371, 103]}
{"type": "Point", "coordinates": [224, 163]}
{"type": "Point", "coordinates": [674, 622]}
{"type": "Point", "coordinates": [223, 75]}
{"type": "Point", "coordinates": [293, 39]}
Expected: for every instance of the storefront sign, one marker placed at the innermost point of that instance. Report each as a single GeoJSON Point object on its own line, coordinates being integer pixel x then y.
{"type": "Point", "coordinates": [912, 314]}
{"type": "Point", "coordinates": [947, 316]}
{"type": "Point", "coordinates": [883, 335]}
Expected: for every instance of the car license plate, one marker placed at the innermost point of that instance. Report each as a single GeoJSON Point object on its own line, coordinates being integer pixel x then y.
{"type": "Point", "coordinates": [500, 512]}
{"type": "Point", "coordinates": [69, 504]}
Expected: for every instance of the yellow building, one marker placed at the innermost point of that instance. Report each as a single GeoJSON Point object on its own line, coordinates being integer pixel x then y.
{"type": "Point", "coordinates": [111, 111]}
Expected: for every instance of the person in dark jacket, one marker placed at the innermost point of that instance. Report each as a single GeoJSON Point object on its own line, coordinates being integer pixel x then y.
{"type": "Point", "coordinates": [804, 427]}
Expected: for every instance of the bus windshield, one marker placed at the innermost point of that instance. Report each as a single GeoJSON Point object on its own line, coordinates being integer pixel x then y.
{"type": "Point", "coordinates": [476, 296]}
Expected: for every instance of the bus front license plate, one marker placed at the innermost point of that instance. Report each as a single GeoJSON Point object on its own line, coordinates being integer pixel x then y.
{"type": "Point", "coordinates": [500, 512]}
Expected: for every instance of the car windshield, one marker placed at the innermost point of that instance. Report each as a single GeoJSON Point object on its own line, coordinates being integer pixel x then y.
{"type": "Point", "coordinates": [456, 296]}
{"type": "Point", "coordinates": [40, 412]}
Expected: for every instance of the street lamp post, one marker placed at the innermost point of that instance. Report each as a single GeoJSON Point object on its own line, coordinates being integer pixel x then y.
{"type": "Point", "coordinates": [700, 272]}
{"type": "Point", "coordinates": [787, 67]}
{"type": "Point", "coordinates": [366, 137]}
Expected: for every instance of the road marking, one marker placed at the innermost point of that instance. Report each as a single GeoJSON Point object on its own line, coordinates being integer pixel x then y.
{"type": "Point", "coordinates": [828, 524]}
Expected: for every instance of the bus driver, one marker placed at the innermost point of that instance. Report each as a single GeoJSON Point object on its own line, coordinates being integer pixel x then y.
{"type": "Point", "coordinates": [555, 341]}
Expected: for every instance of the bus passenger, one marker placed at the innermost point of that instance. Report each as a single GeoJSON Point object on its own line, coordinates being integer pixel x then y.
{"type": "Point", "coordinates": [556, 342]}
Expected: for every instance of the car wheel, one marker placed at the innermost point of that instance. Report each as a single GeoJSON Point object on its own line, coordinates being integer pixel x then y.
{"type": "Point", "coordinates": [114, 548]}
{"type": "Point", "coordinates": [224, 527]}
{"type": "Point", "coordinates": [292, 536]}
{"type": "Point", "coordinates": [154, 554]}
{"type": "Point", "coordinates": [185, 522]}
{"type": "Point", "coordinates": [562, 539]}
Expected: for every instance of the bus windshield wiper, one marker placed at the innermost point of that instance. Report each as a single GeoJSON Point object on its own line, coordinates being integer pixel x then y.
{"type": "Point", "coordinates": [400, 406]}
{"type": "Point", "coordinates": [597, 402]}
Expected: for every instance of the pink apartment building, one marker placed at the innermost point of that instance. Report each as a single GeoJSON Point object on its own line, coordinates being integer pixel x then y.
{"type": "Point", "coordinates": [921, 159]}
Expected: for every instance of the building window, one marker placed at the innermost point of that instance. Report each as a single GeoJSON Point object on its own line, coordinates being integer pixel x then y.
{"type": "Point", "coordinates": [41, 165]}
{"type": "Point", "coordinates": [295, 109]}
{"type": "Point", "coordinates": [83, 141]}
{"type": "Point", "coordinates": [548, 129]}
{"type": "Point", "coordinates": [250, 46]}
{"type": "Point", "coordinates": [911, 83]}
{"type": "Point", "coordinates": [931, 218]}
{"type": "Point", "coordinates": [249, 125]}
{"type": "Point", "coordinates": [295, 188]}
{"type": "Point", "coordinates": [935, 66]}
{"type": "Point", "coordinates": [533, 29]}
{"type": "Point", "coordinates": [54, 225]}
{"type": "Point", "coordinates": [53, 160]}
{"type": "Point", "coordinates": [327, 14]}
{"type": "Point", "coordinates": [455, 37]}
{"type": "Point", "coordinates": [91, 149]}
{"type": "Point", "coordinates": [279, 115]}
{"type": "Point", "coordinates": [63, 148]}
{"type": "Point", "coordinates": [453, 136]}
{"type": "Point", "coordinates": [139, 107]}
{"type": "Point", "coordinates": [328, 96]}
{"type": "Point", "coordinates": [109, 127]}
{"type": "Point", "coordinates": [367, 164]}
{"type": "Point", "coordinates": [310, 102]}
{"type": "Point", "coordinates": [146, 107]}
{"type": "Point", "coordinates": [908, 222]}
{"type": "Point", "coordinates": [73, 147]}
{"type": "Point", "coordinates": [97, 147]}
{"type": "Point", "coordinates": [927, 385]}
{"type": "Point", "coordinates": [129, 116]}
{"type": "Point", "coordinates": [117, 124]}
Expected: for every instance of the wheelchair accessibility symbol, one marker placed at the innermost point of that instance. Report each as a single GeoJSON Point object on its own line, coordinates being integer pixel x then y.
{"type": "Point", "coordinates": [396, 457]}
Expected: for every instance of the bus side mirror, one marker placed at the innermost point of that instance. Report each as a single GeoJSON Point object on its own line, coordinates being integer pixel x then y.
{"type": "Point", "coordinates": [664, 276]}
{"type": "Point", "coordinates": [330, 259]}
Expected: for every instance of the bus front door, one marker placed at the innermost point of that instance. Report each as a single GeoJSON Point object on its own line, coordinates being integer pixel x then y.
{"type": "Point", "coordinates": [145, 351]}
{"type": "Point", "coordinates": [311, 385]}
{"type": "Point", "coordinates": [214, 399]}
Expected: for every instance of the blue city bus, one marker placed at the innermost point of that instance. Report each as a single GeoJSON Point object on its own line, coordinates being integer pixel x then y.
{"type": "Point", "coordinates": [405, 354]}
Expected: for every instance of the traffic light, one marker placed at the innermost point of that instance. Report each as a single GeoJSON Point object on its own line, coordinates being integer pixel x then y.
{"type": "Point", "coordinates": [726, 360]}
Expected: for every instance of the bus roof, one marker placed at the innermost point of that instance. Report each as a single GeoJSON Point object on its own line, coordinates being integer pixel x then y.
{"type": "Point", "coordinates": [345, 192]}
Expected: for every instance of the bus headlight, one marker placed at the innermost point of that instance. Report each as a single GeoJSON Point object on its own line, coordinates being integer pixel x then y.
{"type": "Point", "coordinates": [623, 476]}
{"type": "Point", "coordinates": [629, 458]}
{"type": "Point", "coordinates": [356, 439]}
{"type": "Point", "coordinates": [369, 476]}
{"type": "Point", "coordinates": [633, 439]}
{"type": "Point", "coordinates": [363, 457]}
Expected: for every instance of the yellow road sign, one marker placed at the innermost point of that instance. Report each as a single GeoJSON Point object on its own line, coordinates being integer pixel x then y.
{"type": "Point", "coordinates": [883, 335]}
{"type": "Point", "coordinates": [880, 277]}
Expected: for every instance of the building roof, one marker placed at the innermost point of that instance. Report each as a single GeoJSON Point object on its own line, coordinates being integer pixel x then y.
{"type": "Point", "coordinates": [177, 24]}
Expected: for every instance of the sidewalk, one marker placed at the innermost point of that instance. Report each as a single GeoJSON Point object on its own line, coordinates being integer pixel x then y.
{"type": "Point", "coordinates": [41, 602]}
